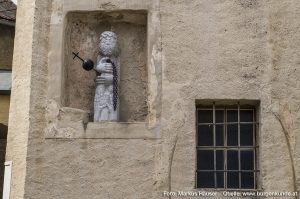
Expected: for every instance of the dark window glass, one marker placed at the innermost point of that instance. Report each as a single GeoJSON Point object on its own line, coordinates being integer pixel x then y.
{"type": "Point", "coordinates": [232, 180]}
{"type": "Point", "coordinates": [220, 180]}
{"type": "Point", "coordinates": [232, 135]}
{"type": "Point", "coordinates": [246, 131]}
{"type": "Point", "coordinates": [205, 179]}
{"type": "Point", "coordinates": [205, 159]}
{"type": "Point", "coordinates": [219, 159]}
{"type": "Point", "coordinates": [232, 116]}
{"type": "Point", "coordinates": [247, 160]}
{"type": "Point", "coordinates": [219, 116]}
{"type": "Point", "coordinates": [232, 160]}
{"type": "Point", "coordinates": [205, 116]}
{"type": "Point", "coordinates": [220, 135]}
{"type": "Point", "coordinates": [247, 180]}
{"type": "Point", "coordinates": [246, 115]}
{"type": "Point", "coordinates": [226, 149]}
{"type": "Point", "coordinates": [205, 135]}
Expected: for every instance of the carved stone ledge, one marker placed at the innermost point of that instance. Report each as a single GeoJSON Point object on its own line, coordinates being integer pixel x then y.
{"type": "Point", "coordinates": [106, 130]}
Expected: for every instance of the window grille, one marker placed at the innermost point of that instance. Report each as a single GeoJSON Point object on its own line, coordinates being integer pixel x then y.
{"type": "Point", "coordinates": [226, 147]}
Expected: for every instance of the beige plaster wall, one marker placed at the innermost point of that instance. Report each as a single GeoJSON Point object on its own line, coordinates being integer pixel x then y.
{"type": "Point", "coordinates": [20, 98]}
{"type": "Point", "coordinates": [91, 167]}
{"type": "Point", "coordinates": [230, 50]}
{"type": "Point", "coordinates": [240, 49]}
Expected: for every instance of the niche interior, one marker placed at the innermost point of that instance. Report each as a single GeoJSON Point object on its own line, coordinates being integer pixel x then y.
{"type": "Point", "coordinates": [82, 32]}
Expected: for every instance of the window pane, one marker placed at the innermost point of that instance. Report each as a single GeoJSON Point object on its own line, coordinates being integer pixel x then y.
{"type": "Point", "coordinates": [247, 160]}
{"type": "Point", "coordinates": [205, 159]}
{"type": "Point", "coordinates": [219, 135]}
{"type": "Point", "coordinates": [232, 135]}
{"type": "Point", "coordinates": [232, 160]}
{"type": "Point", "coordinates": [232, 179]}
{"type": "Point", "coordinates": [205, 180]}
{"type": "Point", "coordinates": [219, 116]}
{"type": "Point", "coordinates": [205, 135]}
{"type": "Point", "coordinates": [220, 180]}
{"type": "Point", "coordinates": [232, 116]}
{"type": "Point", "coordinates": [220, 160]}
{"type": "Point", "coordinates": [205, 116]}
{"type": "Point", "coordinates": [246, 134]}
{"type": "Point", "coordinates": [247, 180]}
{"type": "Point", "coordinates": [246, 115]}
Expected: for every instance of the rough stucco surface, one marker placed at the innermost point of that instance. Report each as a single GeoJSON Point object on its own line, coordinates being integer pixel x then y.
{"type": "Point", "coordinates": [240, 49]}
{"type": "Point", "coordinates": [98, 169]}
{"type": "Point", "coordinates": [243, 49]}
{"type": "Point", "coordinates": [20, 98]}
{"type": "Point", "coordinates": [82, 35]}
{"type": "Point", "coordinates": [7, 34]}
{"type": "Point", "coordinates": [90, 168]}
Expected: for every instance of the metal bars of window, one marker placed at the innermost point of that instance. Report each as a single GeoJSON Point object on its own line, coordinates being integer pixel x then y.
{"type": "Point", "coordinates": [226, 147]}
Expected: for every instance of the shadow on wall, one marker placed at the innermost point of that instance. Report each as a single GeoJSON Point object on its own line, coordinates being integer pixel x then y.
{"type": "Point", "coordinates": [3, 136]}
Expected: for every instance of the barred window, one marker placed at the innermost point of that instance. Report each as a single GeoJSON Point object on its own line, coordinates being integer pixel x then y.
{"type": "Point", "coordinates": [226, 147]}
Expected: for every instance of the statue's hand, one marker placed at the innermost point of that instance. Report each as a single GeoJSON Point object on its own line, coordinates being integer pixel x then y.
{"type": "Point", "coordinates": [105, 79]}
{"type": "Point", "coordinates": [103, 66]}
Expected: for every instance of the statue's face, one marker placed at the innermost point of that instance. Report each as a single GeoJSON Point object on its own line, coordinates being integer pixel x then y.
{"type": "Point", "coordinates": [108, 43]}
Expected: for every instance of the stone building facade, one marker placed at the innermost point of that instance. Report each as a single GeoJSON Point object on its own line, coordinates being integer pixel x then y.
{"type": "Point", "coordinates": [176, 56]}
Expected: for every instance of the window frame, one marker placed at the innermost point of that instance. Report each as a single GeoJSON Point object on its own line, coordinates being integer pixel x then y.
{"type": "Point", "coordinates": [8, 90]}
{"type": "Point", "coordinates": [255, 147]}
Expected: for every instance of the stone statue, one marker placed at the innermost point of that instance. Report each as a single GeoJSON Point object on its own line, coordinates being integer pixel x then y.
{"type": "Point", "coordinates": [106, 102]}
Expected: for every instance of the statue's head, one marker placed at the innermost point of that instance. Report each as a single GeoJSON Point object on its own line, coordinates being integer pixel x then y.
{"type": "Point", "coordinates": [108, 44]}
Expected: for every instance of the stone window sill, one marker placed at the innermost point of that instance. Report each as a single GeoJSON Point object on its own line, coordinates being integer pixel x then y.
{"type": "Point", "coordinates": [105, 130]}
